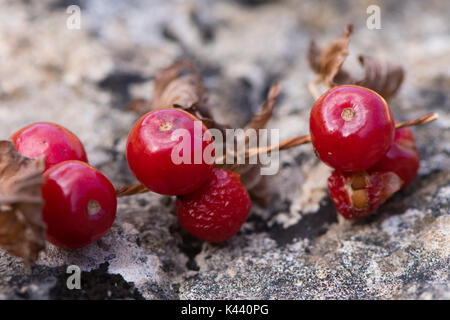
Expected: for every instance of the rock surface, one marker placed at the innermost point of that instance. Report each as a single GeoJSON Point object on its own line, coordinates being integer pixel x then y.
{"type": "Point", "coordinates": [298, 248]}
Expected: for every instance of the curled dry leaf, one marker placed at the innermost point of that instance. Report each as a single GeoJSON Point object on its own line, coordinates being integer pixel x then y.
{"type": "Point", "coordinates": [179, 85]}
{"type": "Point", "coordinates": [327, 63]}
{"type": "Point", "coordinates": [382, 77]}
{"type": "Point", "coordinates": [251, 178]}
{"type": "Point", "coordinates": [138, 105]}
{"type": "Point", "coordinates": [260, 120]}
{"type": "Point", "coordinates": [22, 231]}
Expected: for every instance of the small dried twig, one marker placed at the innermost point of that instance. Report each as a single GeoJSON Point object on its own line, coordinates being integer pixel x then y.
{"type": "Point", "coordinates": [130, 190]}
{"type": "Point", "coordinates": [419, 121]}
{"type": "Point", "coordinates": [283, 145]}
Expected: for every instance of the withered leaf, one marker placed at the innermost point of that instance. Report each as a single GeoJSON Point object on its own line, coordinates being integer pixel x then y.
{"type": "Point", "coordinates": [384, 78]}
{"type": "Point", "coordinates": [260, 120]}
{"type": "Point", "coordinates": [22, 231]}
{"type": "Point", "coordinates": [251, 178]}
{"type": "Point", "coordinates": [180, 85]}
{"type": "Point", "coordinates": [138, 105]}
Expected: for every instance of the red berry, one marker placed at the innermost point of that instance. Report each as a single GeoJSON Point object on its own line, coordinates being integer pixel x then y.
{"type": "Point", "coordinates": [156, 138]}
{"type": "Point", "coordinates": [217, 210]}
{"type": "Point", "coordinates": [357, 194]}
{"type": "Point", "coordinates": [47, 139]}
{"type": "Point", "coordinates": [402, 158]}
{"type": "Point", "coordinates": [351, 128]}
{"type": "Point", "coordinates": [80, 204]}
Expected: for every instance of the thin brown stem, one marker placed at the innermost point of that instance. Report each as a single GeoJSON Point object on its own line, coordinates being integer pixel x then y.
{"type": "Point", "coordinates": [418, 122]}
{"type": "Point", "coordinates": [130, 190]}
{"type": "Point", "coordinates": [283, 145]}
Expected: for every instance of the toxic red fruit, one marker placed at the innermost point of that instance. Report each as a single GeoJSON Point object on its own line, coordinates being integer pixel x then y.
{"type": "Point", "coordinates": [80, 204]}
{"type": "Point", "coordinates": [357, 194]}
{"type": "Point", "coordinates": [47, 139]}
{"type": "Point", "coordinates": [217, 210]}
{"type": "Point", "coordinates": [351, 127]}
{"type": "Point", "coordinates": [170, 151]}
{"type": "Point", "coordinates": [402, 158]}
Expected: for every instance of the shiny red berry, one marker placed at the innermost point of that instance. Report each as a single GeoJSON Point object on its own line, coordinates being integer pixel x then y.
{"type": "Point", "coordinates": [217, 210]}
{"type": "Point", "coordinates": [351, 127]}
{"type": "Point", "coordinates": [402, 158]}
{"type": "Point", "coordinates": [47, 139]}
{"type": "Point", "coordinates": [80, 204]}
{"type": "Point", "coordinates": [170, 151]}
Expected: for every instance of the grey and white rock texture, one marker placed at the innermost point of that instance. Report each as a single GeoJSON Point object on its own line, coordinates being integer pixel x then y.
{"type": "Point", "coordinates": [298, 248]}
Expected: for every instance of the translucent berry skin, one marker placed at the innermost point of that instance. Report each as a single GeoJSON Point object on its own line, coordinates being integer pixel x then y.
{"type": "Point", "coordinates": [80, 204]}
{"type": "Point", "coordinates": [351, 128]}
{"type": "Point", "coordinates": [149, 152]}
{"type": "Point", "coordinates": [47, 139]}
{"type": "Point", "coordinates": [402, 158]}
{"type": "Point", "coordinates": [217, 210]}
{"type": "Point", "coordinates": [358, 194]}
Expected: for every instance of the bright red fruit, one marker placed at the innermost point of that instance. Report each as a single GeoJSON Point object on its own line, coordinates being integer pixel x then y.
{"type": "Point", "coordinates": [402, 158]}
{"type": "Point", "coordinates": [357, 194]}
{"type": "Point", "coordinates": [351, 127]}
{"type": "Point", "coordinates": [217, 210]}
{"type": "Point", "coordinates": [165, 151]}
{"type": "Point", "coordinates": [80, 204]}
{"type": "Point", "coordinates": [47, 139]}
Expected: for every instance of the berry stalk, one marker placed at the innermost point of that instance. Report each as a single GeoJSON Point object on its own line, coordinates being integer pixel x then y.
{"type": "Point", "coordinates": [283, 145]}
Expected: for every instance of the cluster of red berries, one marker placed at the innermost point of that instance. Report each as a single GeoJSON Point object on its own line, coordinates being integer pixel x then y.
{"type": "Point", "coordinates": [80, 202]}
{"type": "Point", "coordinates": [353, 131]}
{"type": "Point", "coordinates": [212, 204]}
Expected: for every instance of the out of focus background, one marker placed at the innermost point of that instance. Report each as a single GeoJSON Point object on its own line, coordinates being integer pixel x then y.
{"type": "Point", "coordinates": [83, 75]}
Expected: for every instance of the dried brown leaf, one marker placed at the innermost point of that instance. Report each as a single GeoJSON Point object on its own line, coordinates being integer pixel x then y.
{"type": "Point", "coordinates": [327, 63]}
{"type": "Point", "coordinates": [138, 105]}
{"type": "Point", "coordinates": [22, 231]}
{"type": "Point", "coordinates": [179, 84]}
{"type": "Point", "coordinates": [251, 178]}
{"type": "Point", "coordinates": [384, 78]}
{"type": "Point", "coordinates": [259, 121]}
